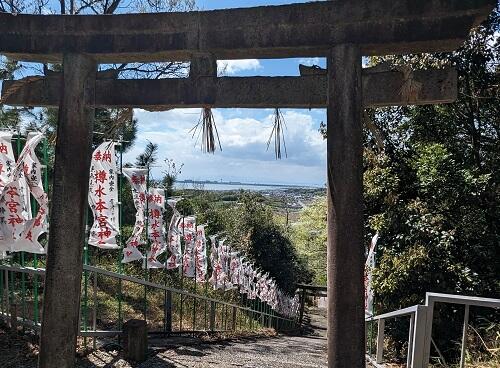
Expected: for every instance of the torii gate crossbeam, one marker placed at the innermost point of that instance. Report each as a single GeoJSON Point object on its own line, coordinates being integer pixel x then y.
{"type": "Point", "coordinates": [341, 30]}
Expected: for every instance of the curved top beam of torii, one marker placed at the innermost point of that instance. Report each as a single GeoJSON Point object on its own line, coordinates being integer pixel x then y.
{"type": "Point", "coordinates": [309, 29]}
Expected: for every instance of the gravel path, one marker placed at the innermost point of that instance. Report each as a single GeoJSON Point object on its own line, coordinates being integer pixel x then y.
{"type": "Point", "coordinates": [275, 352]}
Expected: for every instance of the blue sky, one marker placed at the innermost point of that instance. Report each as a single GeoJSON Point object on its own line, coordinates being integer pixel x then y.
{"type": "Point", "coordinates": [223, 4]}
{"type": "Point", "coordinates": [243, 134]}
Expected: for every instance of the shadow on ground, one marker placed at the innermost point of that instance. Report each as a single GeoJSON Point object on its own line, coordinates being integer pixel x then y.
{"type": "Point", "coordinates": [282, 351]}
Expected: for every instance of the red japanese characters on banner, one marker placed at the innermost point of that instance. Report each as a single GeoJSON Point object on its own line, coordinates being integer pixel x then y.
{"type": "Point", "coordinates": [215, 262]}
{"type": "Point", "coordinates": [138, 182]}
{"type": "Point", "coordinates": [103, 197]}
{"type": "Point", "coordinates": [12, 222]}
{"type": "Point", "coordinates": [187, 228]}
{"type": "Point", "coordinates": [156, 208]}
{"type": "Point", "coordinates": [174, 238]}
{"type": "Point", "coordinates": [230, 269]}
{"type": "Point", "coordinates": [200, 254]}
{"type": "Point", "coordinates": [19, 231]}
{"type": "Point", "coordinates": [32, 171]}
{"type": "Point", "coordinates": [7, 162]}
{"type": "Point", "coordinates": [234, 268]}
{"type": "Point", "coordinates": [7, 165]}
{"type": "Point", "coordinates": [220, 266]}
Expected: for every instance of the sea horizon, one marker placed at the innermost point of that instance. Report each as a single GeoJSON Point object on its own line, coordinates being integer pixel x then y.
{"type": "Point", "coordinates": [235, 185]}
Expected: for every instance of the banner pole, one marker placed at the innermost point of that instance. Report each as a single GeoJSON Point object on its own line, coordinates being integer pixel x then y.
{"type": "Point", "coordinates": [120, 226]}
{"type": "Point", "coordinates": [195, 288]}
{"type": "Point", "coordinates": [182, 272]}
{"type": "Point", "coordinates": [145, 264]}
{"type": "Point", "coordinates": [22, 254]}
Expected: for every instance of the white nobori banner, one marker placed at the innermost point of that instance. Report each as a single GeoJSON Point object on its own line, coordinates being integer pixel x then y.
{"type": "Point", "coordinates": [156, 232]}
{"type": "Point", "coordinates": [19, 230]}
{"type": "Point", "coordinates": [32, 170]}
{"type": "Point", "coordinates": [200, 254]}
{"type": "Point", "coordinates": [187, 227]}
{"type": "Point", "coordinates": [369, 266]}
{"type": "Point", "coordinates": [174, 238]}
{"type": "Point", "coordinates": [138, 181]}
{"type": "Point", "coordinates": [103, 197]}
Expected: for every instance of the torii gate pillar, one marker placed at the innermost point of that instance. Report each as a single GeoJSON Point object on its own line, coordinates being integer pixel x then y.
{"type": "Point", "coordinates": [67, 213]}
{"type": "Point", "coordinates": [346, 326]}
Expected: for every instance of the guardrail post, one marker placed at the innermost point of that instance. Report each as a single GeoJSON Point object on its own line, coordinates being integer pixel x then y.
{"type": "Point", "coordinates": [419, 337]}
{"type": "Point", "coordinates": [168, 311]}
{"type": "Point", "coordinates": [7, 292]}
{"type": "Point", "coordinates": [410, 340]}
{"type": "Point", "coordinates": [135, 338]}
{"type": "Point", "coordinates": [380, 341]}
{"type": "Point", "coordinates": [13, 317]}
{"type": "Point", "coordinates": [212, 316]}
{"type": "Point", "coordinates": [464, 336]}
{"type": "Point", "coordinates": [302, 305]}
{"type": "Point", "coordinates": [1, 290]}
{"type": "Point", "coordinates": [428, 331]}
{"type": "Point", "coordinates": [234, 318]}
{"type": "Point", "coordinates": [367, 326]}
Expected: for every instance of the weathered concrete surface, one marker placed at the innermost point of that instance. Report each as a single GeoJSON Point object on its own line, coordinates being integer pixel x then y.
{"type": "Point", "coordinates": [345, 250]}
{"type": "Point", "coordinates": [380, 88]}
{"type": "Point", "coordinates": [67, 214]}
{"type": "Point", "coordinates": [310, 29]}
{"type": "Point", "coordinates": [135, 339]}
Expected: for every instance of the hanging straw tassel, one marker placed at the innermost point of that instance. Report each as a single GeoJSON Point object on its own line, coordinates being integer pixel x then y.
{"type": "Point", "coordinates": [208, 130]}
{"type": "Point", "coordinates": [278, 134]}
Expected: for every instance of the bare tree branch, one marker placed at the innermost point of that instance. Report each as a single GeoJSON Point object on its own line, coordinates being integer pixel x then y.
{"type": "Point", "coordinates": [112, 8]}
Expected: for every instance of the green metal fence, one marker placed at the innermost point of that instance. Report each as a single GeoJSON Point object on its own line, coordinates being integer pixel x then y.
{"type": "Point", "coordinates": [183, 312]}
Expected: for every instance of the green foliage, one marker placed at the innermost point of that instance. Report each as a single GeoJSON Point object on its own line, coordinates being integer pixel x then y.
{"type": "Point", "coordinates": [432, 193]}
{"type": "Point", "coordinates": [309, 237]}
{"type": "Point", "coordinates": [149, 156]}
{"type": "Point", "coordinates": [432, 190]}
{"type": "Point", "coordinates": [250, 227]}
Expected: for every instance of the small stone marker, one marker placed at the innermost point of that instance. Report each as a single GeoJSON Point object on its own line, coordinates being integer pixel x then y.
{"type": "Point", "coordinates": [135, 339]}
{"type": "Point", "coordinates": [13, 317]}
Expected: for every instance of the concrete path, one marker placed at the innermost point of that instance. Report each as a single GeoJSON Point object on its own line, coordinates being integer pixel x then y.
{"type": "Point", "coordinates": [277, 352]}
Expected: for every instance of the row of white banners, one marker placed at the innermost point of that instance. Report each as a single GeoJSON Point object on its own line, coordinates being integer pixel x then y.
{"type": "Point", "coordinates": [20, 231]}
{"type": "Point", "coordinates": [230, 270]}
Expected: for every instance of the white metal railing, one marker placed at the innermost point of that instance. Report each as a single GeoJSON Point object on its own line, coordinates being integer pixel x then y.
{"type": "Point", "coordinates": [420, 331]}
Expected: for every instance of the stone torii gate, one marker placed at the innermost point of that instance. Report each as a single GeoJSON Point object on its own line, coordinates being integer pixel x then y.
{"type": "Point", "coordinates": [340, 30]}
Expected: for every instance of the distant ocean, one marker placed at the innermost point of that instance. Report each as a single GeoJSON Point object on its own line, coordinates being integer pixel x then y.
{"type": "Point", "coordinates": [237, 186]}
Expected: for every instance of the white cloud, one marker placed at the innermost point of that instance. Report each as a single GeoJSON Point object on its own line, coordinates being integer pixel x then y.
{"type": "Point", "coordinates": [312, 61]}
{"type": "Point", "coordinates": [232, 67]}
{"type": "Point", "coordinates": [244, 156]}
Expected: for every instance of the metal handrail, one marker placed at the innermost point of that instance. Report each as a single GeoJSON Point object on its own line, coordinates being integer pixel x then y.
{"type": "Point", "coordinates": [41, 272]}
{"type": "Point", "coordinates": [272, 319]}
{"type": "Point", "coordinates": [462, 299]}
{"type": "Point", "coordinates": [420, 332]}
{"type": "Point", "coordinates": [399, 313]}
